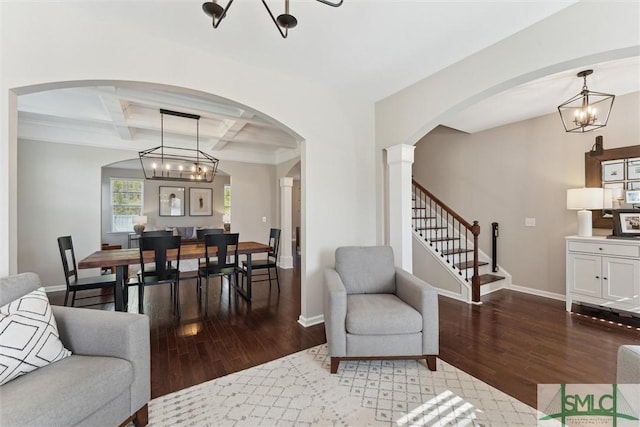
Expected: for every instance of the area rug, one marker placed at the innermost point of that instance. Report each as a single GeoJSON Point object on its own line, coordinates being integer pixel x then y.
{"type": "Point", "coordinates": [298, 390]}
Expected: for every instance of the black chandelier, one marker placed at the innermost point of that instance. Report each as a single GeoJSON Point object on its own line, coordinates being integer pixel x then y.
{"type": "Point", "coordinates": [177, 163]}
{"type": "Point", "coordinates": [587, 110]}
{"type": "Point", "coordinates": [283, 22]}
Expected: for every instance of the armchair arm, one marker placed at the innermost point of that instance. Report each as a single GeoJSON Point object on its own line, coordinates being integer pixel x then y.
{"type": "Point", "coordinates": [114, 334]}
{"type": "Point", "coordinates": [424, 298]}
{"type": "Point", "coordinates": [335, 313]}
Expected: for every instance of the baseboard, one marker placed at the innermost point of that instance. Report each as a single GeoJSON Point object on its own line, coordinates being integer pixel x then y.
{"type": "Point", "coordinates": [311, 321]}
{"type": "Point", "coordinates": [285, 262]}
{"type": "Point", "coordinates": [450, 294]}
{"type": "Point", "coordinates": [56, 288]}
{"type": "Point", "coordinates": [538, 292]}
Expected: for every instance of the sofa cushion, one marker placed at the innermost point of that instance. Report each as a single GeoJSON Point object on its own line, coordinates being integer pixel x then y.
{"type": "Point", "coordinates": [65, 392]}
{"type": "Point", "coordinates": [381, 314]}
{"type": "Point", "coordinates": [366, 269]}
{"type": "Point", "coordinates": [29, 336]}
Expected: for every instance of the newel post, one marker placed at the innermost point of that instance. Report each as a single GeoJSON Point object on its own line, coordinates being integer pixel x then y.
{"type": "Point", "coordinates": [475, 280]}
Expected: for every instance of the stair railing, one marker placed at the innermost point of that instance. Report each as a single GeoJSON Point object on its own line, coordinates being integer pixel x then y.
{"type": "Point", "coordinates": [449, 234]}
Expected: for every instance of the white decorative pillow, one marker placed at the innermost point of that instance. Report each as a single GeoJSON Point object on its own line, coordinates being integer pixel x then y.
{"type": "Point", "coordinates": [29, 336]}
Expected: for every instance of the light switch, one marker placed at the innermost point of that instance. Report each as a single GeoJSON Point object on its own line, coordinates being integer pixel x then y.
{"type": "Point", "coordinates": [529, 222]}
{"type": "Point", "coordinates": [264, 219]}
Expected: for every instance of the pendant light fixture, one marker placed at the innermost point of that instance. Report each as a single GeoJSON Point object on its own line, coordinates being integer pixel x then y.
{"type": "Point", "coordinates": [283, 22]}
{"type": "Point", "coordinates": [177, 163]}
{"type": "Point", "coordinates": [587, 110]}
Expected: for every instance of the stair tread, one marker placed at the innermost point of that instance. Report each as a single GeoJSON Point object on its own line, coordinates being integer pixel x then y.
{"type": "Point", "coordinates": [456, 251]}
{"type": "Point", "coordinates": [432, 228]}
{"type": "Point", "coordinates": [443, 239]}
{"type": "Point", "coordinates": [469, 264]}
{"type": "Point", "coordinates": [423, 217]}
{"type": "Point", "coordinates": [489, 278]}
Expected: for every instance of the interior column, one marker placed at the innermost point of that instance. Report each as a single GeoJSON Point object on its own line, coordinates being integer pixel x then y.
{"type": "Point", "coordinates": [285, 260]}
{"type": "Point", "coordinates": [399, 162]}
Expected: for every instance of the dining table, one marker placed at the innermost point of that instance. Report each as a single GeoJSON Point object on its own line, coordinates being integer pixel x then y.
{"type": "Point", "coordinates": [121, 259]}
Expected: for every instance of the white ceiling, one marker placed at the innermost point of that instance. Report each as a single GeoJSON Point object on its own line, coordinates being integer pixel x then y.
{"type": "Point", "coordinates": [366, 48]}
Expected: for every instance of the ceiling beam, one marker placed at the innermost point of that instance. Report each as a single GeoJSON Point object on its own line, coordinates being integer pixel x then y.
{"type": "Point", "coordinates": [118, 113]}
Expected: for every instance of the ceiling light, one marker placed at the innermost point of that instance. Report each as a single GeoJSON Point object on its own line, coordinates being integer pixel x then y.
{"type": "Point", "coordinates": [177, 163]}
{"type": "Point", "coordinates": [587, 110]}
{"type": "Point", "coordinates": [283, 22]}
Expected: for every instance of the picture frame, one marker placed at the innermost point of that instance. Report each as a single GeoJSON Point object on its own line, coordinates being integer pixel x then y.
{"type": "Point", "coordinates": [200, 201]}
{"type": "Point", "coordinates": [171, 201]}
{"type": "Point", "coordinates": [633, 169]}
{"type": "Point", "coordinates": [612, 171]}
{"type": "Point", "coordinates": [626, 223]}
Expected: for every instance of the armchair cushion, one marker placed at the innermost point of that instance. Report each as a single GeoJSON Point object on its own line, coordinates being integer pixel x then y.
{"type": "Point", "coordinates": [381, 314]}
{"type": "Point", "coordinates": [366, 270]}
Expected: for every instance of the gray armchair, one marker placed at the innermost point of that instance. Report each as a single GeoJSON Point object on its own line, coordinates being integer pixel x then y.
{"type": "Point", "coordinates": [106, 380]}
{"type": "Point", "coordinates": [374, 310]}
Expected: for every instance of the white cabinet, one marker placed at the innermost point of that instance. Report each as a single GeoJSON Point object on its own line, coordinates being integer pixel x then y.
{"type": "Point", "coordinates": [604, 272]}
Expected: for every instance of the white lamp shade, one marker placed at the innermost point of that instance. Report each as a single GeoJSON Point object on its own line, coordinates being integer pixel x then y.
{"type": "Point", "coordinates": [141, 219]}
{"type": "Point", "coordinates": [585, 198]}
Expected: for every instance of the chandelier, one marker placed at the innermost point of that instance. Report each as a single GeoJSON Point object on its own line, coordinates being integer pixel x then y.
{"type": "Point", "coordinates": [177, 163]}
{"type": "Point", "coordinates": [283, 22]}
{"type": "Point", "coordinates": [587, 110]}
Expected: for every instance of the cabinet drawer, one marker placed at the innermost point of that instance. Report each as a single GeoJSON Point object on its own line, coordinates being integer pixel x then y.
{"type": "Point", "coordinates": [605, 249]}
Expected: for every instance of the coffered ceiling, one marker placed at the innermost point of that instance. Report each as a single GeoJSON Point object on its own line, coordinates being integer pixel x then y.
{"type": "Point", "coordinates": [367, 49]}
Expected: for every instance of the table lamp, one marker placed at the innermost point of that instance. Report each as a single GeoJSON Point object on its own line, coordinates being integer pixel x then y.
{"type": "Point", "coordinates": [139, 221]}
{"type": "Point", "coordinates": [582, 199]}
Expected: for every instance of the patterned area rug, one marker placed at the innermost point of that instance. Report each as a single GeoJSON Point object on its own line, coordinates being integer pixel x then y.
{"type": "Point", "coordinates": [298, 390]}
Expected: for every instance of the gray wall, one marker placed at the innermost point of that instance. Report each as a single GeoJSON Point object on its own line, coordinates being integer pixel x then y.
{"type": "Point", "coordinates": [151, 206]}
{"type": "Point", "coordinates": [509, 173]}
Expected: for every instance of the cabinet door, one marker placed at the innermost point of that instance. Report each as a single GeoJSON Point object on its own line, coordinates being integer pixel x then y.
{"type": "Point", "coordinates": [621, 280]}
{"type": "Point", "coordinates": [583, 274]}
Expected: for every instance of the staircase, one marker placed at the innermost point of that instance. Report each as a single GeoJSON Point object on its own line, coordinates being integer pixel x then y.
{"type": "Point", "coordinates": [453, 242]}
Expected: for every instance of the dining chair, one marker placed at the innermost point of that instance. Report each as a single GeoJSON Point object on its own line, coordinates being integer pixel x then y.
{"type": "Point", "coordinates": [266, 264]}
{"type": "Point", "coordinates": [201, 232]}
{"type": "Point", "coordinates": [163, 271]}
{"type": "Point", "coordinates": [221, 260]}
{"type": "Point", "coordinates": [75, 283]}
{"type": "Point", "coordinates": [156, 233]}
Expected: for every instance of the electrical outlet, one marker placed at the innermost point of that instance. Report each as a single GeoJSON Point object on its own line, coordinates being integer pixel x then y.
{"type": "Point", "coordinates": [264, 219]}
{"type": "Point", "coordinates": [529, 222]}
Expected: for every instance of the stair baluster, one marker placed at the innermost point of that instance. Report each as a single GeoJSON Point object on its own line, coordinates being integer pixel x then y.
{"type": "Point", "coordinates": [449, 234]}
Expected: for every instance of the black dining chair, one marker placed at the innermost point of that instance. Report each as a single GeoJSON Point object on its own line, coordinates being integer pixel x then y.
{"type": "Point", "coordinates": [266, 264]}
{"type": "Point", "coordinates": [221, 260]}
{"type": "Point", "coordinates": [75, 283]}
{"type": "Point", "coordinates": [156, 233]}
{"type": "Point", "coordinates": [163, 271]}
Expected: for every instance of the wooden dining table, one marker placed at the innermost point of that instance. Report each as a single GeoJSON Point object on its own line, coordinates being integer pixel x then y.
{"type": "Point", "coordinates": [121, 259]}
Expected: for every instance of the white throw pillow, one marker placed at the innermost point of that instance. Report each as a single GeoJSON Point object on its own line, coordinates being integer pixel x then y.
{"type": "Point", "coordinates": [29, 336]}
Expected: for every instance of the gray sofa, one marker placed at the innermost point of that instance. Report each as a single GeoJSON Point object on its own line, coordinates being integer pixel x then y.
{"type": "Point", "coordinates": [628, 368]}
{"type": "Point", "coordinates": [374, 310]}
{"type": "Point", "coordinates": [105, 382]}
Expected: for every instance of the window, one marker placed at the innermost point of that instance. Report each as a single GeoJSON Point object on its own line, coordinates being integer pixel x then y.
{"type": "Point", "coordinates": [227, 205]}
{"type": "Point", "coordinates": [127, 196]}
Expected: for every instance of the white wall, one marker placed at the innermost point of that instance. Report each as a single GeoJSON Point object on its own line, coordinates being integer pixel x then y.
{"type": "Point", "coordinates": [37, 49]}
{"type": "Point", "coordinates": [580, 35]}
{"type": "Point", "coordinates": [512, 172]}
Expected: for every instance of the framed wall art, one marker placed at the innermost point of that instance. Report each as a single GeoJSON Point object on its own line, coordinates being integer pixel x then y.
{"type": "Point", "coordinates": [171, 201]}
{"type": "Point", "coordinates": [200, 201]}
{"type": "Point", "coordinates": [626, 223]}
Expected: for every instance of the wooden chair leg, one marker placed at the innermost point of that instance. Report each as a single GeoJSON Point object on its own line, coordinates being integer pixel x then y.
{"type": "Point", "coordinates": [141, 417]}
{"type": "Point", "coordinates": [277, 279]}
{"type": "Point", "coordinates": [66, 297]}
{"type": "Point", "coordinates": [431, 362]}
{"type": "Point", "coordinates": [73, 299]}
{"type": "Point", "coordinates": [335, 361]}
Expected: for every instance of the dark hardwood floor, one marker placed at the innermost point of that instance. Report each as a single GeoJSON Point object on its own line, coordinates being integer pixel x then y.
{"type": "Point", "coordinates": [513, 341]}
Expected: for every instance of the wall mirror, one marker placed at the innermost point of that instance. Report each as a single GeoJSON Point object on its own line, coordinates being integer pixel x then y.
{"type": "Point", "coordinates": [619, 170]}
